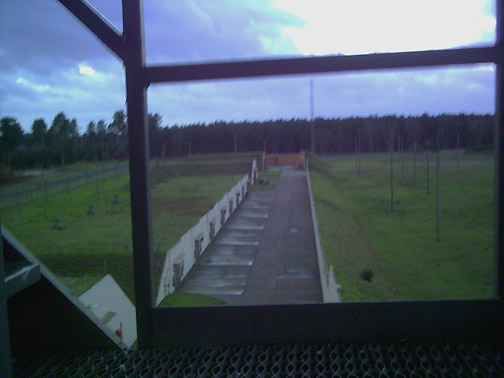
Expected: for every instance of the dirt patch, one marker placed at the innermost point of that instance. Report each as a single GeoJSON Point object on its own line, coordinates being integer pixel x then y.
{"type": "Point", "coordinates": [194, 206]}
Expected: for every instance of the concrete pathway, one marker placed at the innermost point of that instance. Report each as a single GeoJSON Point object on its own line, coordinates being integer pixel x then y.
{"type": "Point", "coordinates": [265, 254]}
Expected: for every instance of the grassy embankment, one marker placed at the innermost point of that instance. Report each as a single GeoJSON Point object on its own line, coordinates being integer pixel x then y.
{"type": "Point", "coordinates": [359, 232]}
{"type": "Point", "coordinates": [89, 246]}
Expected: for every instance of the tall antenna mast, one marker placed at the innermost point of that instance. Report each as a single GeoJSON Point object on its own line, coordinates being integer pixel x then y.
{"type": "Point", "coordinates": [312, 121]}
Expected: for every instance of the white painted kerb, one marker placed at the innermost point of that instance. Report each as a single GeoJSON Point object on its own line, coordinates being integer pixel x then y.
{"type": "Point", "coordinates": [330, 290]}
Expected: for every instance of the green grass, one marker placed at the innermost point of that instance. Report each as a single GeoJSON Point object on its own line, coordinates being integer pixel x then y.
{"type": "Point", "coordinates": [360, 232]}
{"type": "Point", "coordinates": [382, 160]}
{"type": "Point", "coordinates": [271, 176]}
{"type": "Point", "coordinates": [189, 300]}
{"type": "Point", "coordinates": [89, 246]}
{"type": "Point", "coordinates": [54, 173]}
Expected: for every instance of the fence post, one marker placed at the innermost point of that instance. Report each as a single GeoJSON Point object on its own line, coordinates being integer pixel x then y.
{"type": "Point", "coordinates": [428, 183]}
{"type": "Point", "coordinates": [391, 172]}
{"type": "Point", "coordinates": [437, 187]}
{"type": "Point", "coordinates": [414, 164]}
{"type": "Point", "coordinates": [97, 181]}
{"type": "Point", "coordinates": [44, 193]}
{"type": "Point", "coordinates": [458, 153]}
{"type": "Point", "coordinates": [17, 197]}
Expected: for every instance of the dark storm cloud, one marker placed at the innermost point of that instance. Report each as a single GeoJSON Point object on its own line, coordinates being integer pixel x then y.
{"type": "Point", "coordinates": [208, 30]}
{"type": "Point", "coordinates": [42, 47]}
{"type": "Point", "coordinates": [42, 37]}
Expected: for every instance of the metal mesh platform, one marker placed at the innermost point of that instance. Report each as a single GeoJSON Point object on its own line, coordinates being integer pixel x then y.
{"type": "Point", "coordinates": [378, 360]}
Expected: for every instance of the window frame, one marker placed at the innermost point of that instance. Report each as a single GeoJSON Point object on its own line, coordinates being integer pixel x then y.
{"type": "Point", "coordinates": [161, 327]}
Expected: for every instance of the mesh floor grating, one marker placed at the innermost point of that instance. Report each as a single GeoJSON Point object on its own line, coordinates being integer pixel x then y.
{"type": "Point", "coordinates": [377, 360]}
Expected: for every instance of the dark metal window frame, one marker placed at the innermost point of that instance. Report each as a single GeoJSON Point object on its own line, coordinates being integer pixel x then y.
{"type": "Point", "coordinates": [273, 323]}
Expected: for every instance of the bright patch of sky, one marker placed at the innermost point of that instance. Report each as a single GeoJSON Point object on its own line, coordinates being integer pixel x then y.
{"type": "Point", "coordinates": [85, 70]}
{"type": "Point", "coordinates": [367, 26]}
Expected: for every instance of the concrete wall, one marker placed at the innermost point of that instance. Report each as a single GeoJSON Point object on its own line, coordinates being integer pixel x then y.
{"type": "Point", "coordinates": [109, 303]}
{"type": "Point", "coordinates": [331, 292]}
{"type": "Point", "coordinates": [180, 258]}
{"type": "Point", "coordinates": [273, 160]}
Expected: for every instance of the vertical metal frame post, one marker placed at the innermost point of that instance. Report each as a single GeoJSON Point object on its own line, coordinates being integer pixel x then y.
{"type": "Point", "coordinates": [499, 152]}
{"type": "Point", "coordinates": [5, 354]}
{"type": "Point", "coordinates": [134, 63]}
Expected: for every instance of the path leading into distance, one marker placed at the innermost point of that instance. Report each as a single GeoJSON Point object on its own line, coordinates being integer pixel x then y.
{"type": "Point", "coordinates": [265, 254]}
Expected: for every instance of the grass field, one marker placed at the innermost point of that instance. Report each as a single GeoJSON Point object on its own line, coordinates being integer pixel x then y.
{"type": "Point", "coordinates": [189, 300]}
{"type": "Point", "coordinates": [382, 160]}
{"type": "Point", "coordinates": [268, 176]}
{"type": "Point", "coordinates": [359, 232]}
{"type": "Point", "coordinates": [89, 246]}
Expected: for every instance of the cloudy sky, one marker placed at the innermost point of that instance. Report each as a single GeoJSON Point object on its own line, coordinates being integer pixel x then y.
{"type": "Point", "coordinates": [50, 63]}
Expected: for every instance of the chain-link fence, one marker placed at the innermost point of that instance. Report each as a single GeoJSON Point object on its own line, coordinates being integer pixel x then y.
{"type": "Point", "coordinates": [17, 195]}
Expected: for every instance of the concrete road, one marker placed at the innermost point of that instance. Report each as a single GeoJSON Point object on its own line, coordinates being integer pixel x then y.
{"type": "Point", "coordinates": [265, 254]}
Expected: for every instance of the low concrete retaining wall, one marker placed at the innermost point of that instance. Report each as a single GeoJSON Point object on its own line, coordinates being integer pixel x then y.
{"type": "Point", "coordinates": [109, 303]}
{"type": "Point", "coordinates": [180, 258]}
{"type": "Point", "coordinates": [331, 292]}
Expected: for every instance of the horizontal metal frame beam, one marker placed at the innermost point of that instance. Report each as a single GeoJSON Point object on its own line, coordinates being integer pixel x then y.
{"type": "Point", "coordinates": [317, 65]}
{"type": "Point", "coordinates": [474, 319]}
{"type": "Point", "coordinates": [97, 24]}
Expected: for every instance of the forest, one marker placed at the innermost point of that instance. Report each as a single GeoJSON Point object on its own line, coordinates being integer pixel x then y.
{"type": "Point", "coordinates": [61, 142]}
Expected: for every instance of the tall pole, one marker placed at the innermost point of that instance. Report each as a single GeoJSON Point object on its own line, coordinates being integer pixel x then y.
{"type": "Point", "coordinates": [45, 189]}
{"type": "Point", "coordinates": [138, 134]}
{"type": "Point", "coordinates": [312, 121]}
{"type": "Point", "coordinates": [437, 187]}
{"type": "Point", "coordinates": [356, 155]}
{"type": "Point", "coordinates": [402, 158]}
{"type": "Point", "coordinates": [427, 166]}
{"type": "Point", "coordinates": [414, 163]}
{"type": "Point", "coordinates": [358, 151]}
{"type": "Point", "coordinates": [391, 171]}
{"type": "Point", "coordinates": [458, 153]}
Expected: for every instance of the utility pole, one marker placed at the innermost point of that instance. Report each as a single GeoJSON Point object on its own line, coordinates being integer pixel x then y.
{"type": "Point", "coordinates": [437, 186]}
{"type": "Point", "coordinates": [312, 121]}
{"type": "Point", "coordinates": [391, 171]}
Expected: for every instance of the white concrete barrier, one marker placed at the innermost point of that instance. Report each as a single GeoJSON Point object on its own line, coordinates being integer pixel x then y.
{"type": "Point", "coordinates": [180, 258]}
{"type": "Point", "coordinates": [331, 292]}
{"type": "Point", "coordinates": [107, 302]}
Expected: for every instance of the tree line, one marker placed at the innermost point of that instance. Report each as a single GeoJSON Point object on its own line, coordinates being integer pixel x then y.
{"type": "Point", "coordinates": [61, 143]}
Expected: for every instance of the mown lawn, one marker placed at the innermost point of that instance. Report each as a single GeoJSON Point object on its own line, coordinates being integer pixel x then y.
{"type": "Point", "coordinates": [360, 232]}
{"type": "Point", "coordinates": [268, 177]}
{"type": "Point", "coordinates": [349, 161]}
{"type": "Point", "coordinates": [88, 246]}
{"type": "Point", "coordinates": [189, 300]}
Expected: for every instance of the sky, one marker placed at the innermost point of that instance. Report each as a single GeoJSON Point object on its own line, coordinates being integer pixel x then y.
{"type": "Point", "coordinates": [50, 63]}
